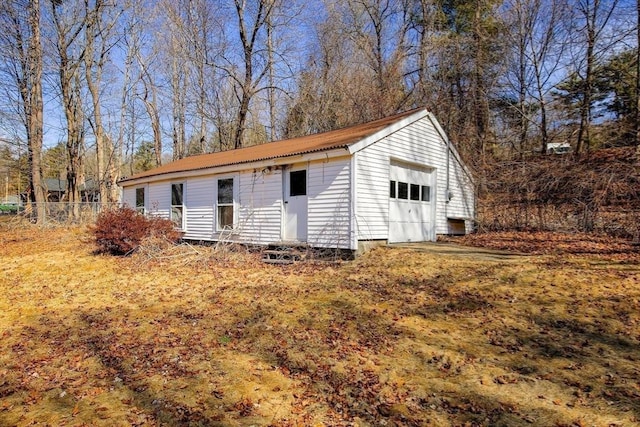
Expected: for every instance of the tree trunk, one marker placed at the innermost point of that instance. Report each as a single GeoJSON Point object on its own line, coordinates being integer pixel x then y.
{"type": "Point", "coordinates": [154, 116]}
{"type": "Point", "coordinates": [585, 108]}
{"type": "Point", "coordinates": [151, 105]}
{"type": "Point", "coordinates": [479, 97]}
{"type": "Point", "coordinates": [178, 95]}
{"type": "Point", "coordinates": [247, 85]}
{"type": "Point", "coordinates": [271, 90]}
{"type": "Point", "coordinates": [69, 80]}
{"type": "Point", "coordinates": [522, 93]}
{"type": "Point", "coordinates": [92, 85]}
{"type": "Point", "coordinates": [35, 109]}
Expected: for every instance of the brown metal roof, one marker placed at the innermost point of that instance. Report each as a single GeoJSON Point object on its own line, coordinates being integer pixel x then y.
{"type": "Point", "coordinates": [340, 138]}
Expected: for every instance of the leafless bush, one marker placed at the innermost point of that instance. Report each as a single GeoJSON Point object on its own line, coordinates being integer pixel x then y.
{"type": "Point", "coordinates": [597, 193]}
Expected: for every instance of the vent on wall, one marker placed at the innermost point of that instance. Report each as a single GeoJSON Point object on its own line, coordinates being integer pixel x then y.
{"type": "Point", "coordinates": [455, 227]}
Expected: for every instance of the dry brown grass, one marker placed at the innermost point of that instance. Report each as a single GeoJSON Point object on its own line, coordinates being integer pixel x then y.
{"type": "Point", "coordinates": [189, 336]}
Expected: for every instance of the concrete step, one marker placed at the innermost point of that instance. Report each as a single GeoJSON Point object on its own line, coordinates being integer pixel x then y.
{"type": "Point", "coordinates": [283, 254]}
{"type": "Point", "coordinates": [277, 261]}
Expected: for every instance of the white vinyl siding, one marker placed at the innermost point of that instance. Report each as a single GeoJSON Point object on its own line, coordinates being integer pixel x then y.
{"type": "Point", "coordinates": [328, 189]}
{"type": "Point", "coordinates": [160, 199]}
{"type": "Point", "coordinates": [260, 206]}
{"type": "Point", "coordinates": [461, 205]}
{"type": "Point", "coordinates": [129, 197]}
{"type": "Point", "coordinates": [421, 144]}
{"type": "Point", "coordinates": [199, 199]}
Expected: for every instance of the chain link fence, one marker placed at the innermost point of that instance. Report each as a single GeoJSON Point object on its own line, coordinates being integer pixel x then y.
{"type": "Point", "coordinates": [58, 212]}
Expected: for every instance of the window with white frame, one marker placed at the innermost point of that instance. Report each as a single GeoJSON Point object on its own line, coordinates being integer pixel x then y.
{"type": "Point", "coordinates": [225, 204]}
{"type": "Point", "coordinates": [177, 205]}
{"type": "Point", "coordinates": [140, 204]}
{"type": "Point", "coordinates": [408, 191]}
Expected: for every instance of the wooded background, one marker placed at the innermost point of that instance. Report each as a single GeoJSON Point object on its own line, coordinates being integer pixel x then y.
{"type": "Point", "coordinates": [101, 89]}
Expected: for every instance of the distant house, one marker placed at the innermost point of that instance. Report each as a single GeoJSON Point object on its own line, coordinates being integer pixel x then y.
{"type": "Point", "coordinates": [396, 179]}
{"type": "Point", "coordinates": [56, 189]}
{"type": "Point", "coordinates": [558, 148]}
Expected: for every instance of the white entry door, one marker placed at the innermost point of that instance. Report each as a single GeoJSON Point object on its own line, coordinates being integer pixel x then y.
{"type": "Point", "coordinates": [295, 205]}
{"type": "Point", "coordinates": [411, 204]}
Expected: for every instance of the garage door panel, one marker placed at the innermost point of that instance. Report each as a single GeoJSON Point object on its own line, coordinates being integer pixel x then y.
{"type": "Point", "coordinates": [410, 220]}
{"type": "Point", "coordinates": [414, 213]}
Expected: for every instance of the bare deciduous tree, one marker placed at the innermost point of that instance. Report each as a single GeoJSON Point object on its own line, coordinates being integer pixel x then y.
{"type": "Point", "coordinates": [592, 21]}
{"type": "Point", "coordinates": [98, 45]}
{"type": "Point", "coordinates": [69, 21]}
{"type": "Point", "coordinates": [23, 64]}
{"type": "Point", "coordinates": [252, 16]}
{"type": "Point", "coordinates": [378, 29]}
{"type": "Point", "coordinates": [537, 44]}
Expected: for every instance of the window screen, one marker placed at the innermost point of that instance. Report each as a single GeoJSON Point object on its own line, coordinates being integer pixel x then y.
{"type": "Point", "coordinates": [403, 190]}
{"type": "Point", "coordinates": [298, 183]}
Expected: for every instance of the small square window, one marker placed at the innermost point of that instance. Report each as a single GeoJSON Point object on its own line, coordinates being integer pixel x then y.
{"type": "Point", "coordinates": [403, 190]}
{"type": "Point", "coordinates": [415, 192]}
{"type": "Point", "coordinates": [426, 193]}
{"type": "Point", "coordinates": [298, 183]}
{"type": "Point", "coordinates": [392, 189]}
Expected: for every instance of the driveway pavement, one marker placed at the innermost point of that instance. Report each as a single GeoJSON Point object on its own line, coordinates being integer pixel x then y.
{"type": "Point", "coordinates": [461, 251]}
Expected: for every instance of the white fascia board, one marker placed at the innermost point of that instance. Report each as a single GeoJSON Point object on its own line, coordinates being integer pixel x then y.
{"type": "Point", "coordinates": [450, 146]}
{"type": "Point", "coordinates": [218, 170]}
{"type": "Point", "coordinates": [365, 142]}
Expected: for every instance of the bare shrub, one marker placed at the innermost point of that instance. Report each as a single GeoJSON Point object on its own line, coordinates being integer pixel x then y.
{"type": "Point", "coordinates": [121, 231]}
{"type": "Point", "coordinates": [561, 193]}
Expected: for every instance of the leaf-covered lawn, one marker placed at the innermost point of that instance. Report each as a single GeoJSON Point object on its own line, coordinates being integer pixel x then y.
{"type": "Point", "coordinates": [397, 337]}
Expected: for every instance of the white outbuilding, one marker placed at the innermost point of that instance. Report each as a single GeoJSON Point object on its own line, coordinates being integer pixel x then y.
{"type": "Point", "coordinates": [396, 179]}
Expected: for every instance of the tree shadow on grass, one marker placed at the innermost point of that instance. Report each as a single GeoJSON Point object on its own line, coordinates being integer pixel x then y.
{"type": "Point", "coordinates": [326, 356]}
{"type": "Point", "coordinates": [330, 356]}
{"type": "Point", "coordinates": [590, 359]}
{"type": "Point", "coordinates": [331, 348]}
{"type": "Point", "coordinates": [102, 367]}
{"type": "Point", "coordinates": [160, 409]}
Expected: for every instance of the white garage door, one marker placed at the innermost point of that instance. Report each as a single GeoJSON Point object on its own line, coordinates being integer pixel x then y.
{"type": "Point", "coordinates": [411, 204]}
